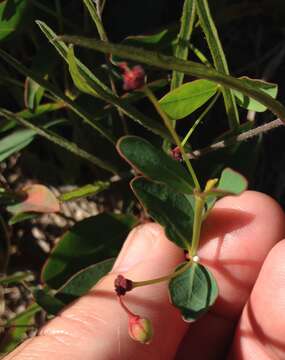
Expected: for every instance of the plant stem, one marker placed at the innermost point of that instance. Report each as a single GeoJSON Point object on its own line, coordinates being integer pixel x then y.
{"type": "Point", "coordinates": [236, 139]}
{"type": "Point", "coordinates": [167, 123]}
{"type": "Point", "coordinates": [198, 218]}
{"type": "Point", "coordinates": [127, 310]}
{"type": "Point", "coordinates": [163, 278]}
{"type": "Point", "coordinates": [204, 113]}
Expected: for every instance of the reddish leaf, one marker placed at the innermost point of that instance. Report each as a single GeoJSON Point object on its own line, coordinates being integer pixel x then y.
{"type": "Point", "coordinates": [39, 199]}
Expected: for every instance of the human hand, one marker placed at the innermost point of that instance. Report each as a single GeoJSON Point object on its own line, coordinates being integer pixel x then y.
{"type": "Point", "coordinates": [240, 245]}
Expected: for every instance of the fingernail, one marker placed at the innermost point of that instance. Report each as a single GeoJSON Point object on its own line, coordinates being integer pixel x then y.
{"type": "Point", "coordinates": [138, 247]}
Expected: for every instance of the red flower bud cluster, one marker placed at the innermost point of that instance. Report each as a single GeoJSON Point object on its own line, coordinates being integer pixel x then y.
{"type": "Point", "coordinates": [176, 154]}
{"type": "Point", "coordinates": [122, 285]}
{"type": "Point", "coordinates": [133, 78]}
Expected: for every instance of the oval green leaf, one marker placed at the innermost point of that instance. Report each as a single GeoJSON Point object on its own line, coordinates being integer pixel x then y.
{"type": "Point", "coordinates": [232, 182]}
{"type": "Point", "coordinates": [154, 163]}
{"type": "Point", "coordinates": [84, 280]}
{"type": "Point", "coordinates": [170, 209]}
{"type": "Point", "coordinates": [187, 98]}
{"type": "Point", "coordinates": [90, 240]}
{"type": "Point", "coordinates": [193, 292]}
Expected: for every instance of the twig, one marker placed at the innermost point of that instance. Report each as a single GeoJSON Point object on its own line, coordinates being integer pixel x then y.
{"type": "Point", "coordinates": [235, 139]}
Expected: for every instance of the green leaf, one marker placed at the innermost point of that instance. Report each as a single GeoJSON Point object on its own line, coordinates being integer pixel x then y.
{"type": "Point", "coordinates": [184, 100]}
{"type": "Point", "coordinates": [15, 142]}
{"type": "Point", "coordinates": [84, 280]}
{"type": "Point", "coordinates": [193, 292]}
{"type": "Point", "coordinates": [9, 124]}
{"type": "Point", "coordinates": [154, 163]}
{"type": "Point", "coordinates": [33, 94]}
{"type": "Point", "coordinates": [84, 191]}
{"type": "Point", "coordinates": [90, 240]}
{"type": "Point", "coordinates": [159, 40]}
{"type": "Point", "coordinates": [187, 67]}
{"type": "Point", "coordinates": [183, 39]}
{"type": "Point", "coordinates": [170, 209]}
{"type": "Point", "coordinates": [251, 104]}
{"type": "Point", "coordinates": [15, 219]}
{"type": "Point", "coordinates": [17, 328]}
{"type": "Point", "coordinates": [48, 302]}
{"type": "Point", "coordinates": [82, 113]}
{"type": "Point", "coordinates": [11, 15]}
{"type": "Point", "coordinates": [79, 81]}
{"type": "Point", "coordinates": [60, 141]}
{"type": "Point", "coordinates": [232, 182]}
{"type": "Point", "coordinates": [209, 28]}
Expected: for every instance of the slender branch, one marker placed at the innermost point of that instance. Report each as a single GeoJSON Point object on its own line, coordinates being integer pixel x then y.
{"type": "Point", "coordinates": [235, 139]}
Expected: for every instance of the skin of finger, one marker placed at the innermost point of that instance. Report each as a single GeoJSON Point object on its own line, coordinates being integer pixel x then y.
{"type": "Point", "coordinates": [261, 330]}
{"type": "Point", "coordinates": [236, 238]}
{"type": "Point", "coordinates": [96, 327]}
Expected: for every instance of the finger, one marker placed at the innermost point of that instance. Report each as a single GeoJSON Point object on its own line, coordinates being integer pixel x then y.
{"type": "Point", "coordinates": [261, 330]}
{"type": "Point", "coordinates": [236, 238]}
{"type": "Point", "coordinates": [95, 327]}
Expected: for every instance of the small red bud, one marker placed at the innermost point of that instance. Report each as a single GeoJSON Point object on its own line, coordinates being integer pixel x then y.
{"type": "Point", "coordinates": [176, 154]}
{"type": "Point", "coordinates": [140, 329]}
{"type": "Point", "coordinates": [133, 78]}
{"type": "Point", "coordinates": [122, 285]}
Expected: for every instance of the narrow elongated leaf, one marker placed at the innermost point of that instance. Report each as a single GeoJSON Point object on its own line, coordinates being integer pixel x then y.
{"type": "Point", "coordinates": [154, 163]}
{"type": "Point", "coordinates": [33, 94]}
{"type": "Point", "coordinates": [170, 209]}
{"type": "Point", "coordinates": [90, 240]}
{"type": "Point", "coordinates": [219, 58]}
{"type": "Point", "coordinates": [84, 280]}
{"type": "Point", "coordinates": [23, 216]}
{"type": "Point", "coordinates": [184, 100]}
{"type": "Point", "coordinates": [183, 39]}
{"type": "Point", "coordinates": [60, 141]}
{"type": "Point", "coordinates": [84, 191]}
{"type": "Point", "coordinates": [15, 142]}
{"type": "Point", "coordinates": [251, 104]}
{"type": "Point", "coordinates": [82, 113]}
{"type": "Point", "coordinates": [193, 292]}
{"type": "Point", "coordinates": [171, 63]}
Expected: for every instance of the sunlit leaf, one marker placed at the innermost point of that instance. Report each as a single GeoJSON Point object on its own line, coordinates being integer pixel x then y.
{"type": "Point", "coordinates": [187, 98]}
{"type": "Point", "coordinates": [193, 292]}
{"type": "Point", "coordinates": [87, 242]}
{"type": "Point", "coordinates": [170, 209]}
{"type": "Point", "coordinates": [154, 163]}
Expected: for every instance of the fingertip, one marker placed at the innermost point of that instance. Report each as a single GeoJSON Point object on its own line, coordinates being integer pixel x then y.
{"type": "Point", "coordinates": [262, 324]}
{"type": "Point", "coordinates": [237, 237]}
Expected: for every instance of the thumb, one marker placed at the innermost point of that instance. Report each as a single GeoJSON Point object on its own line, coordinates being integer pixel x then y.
{"type": "Point", "coordinates": [96, 327]}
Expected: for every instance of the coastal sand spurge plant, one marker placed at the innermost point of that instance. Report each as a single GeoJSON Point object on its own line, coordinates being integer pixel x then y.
{"type": "Point", "coordinates": [159, 159]}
